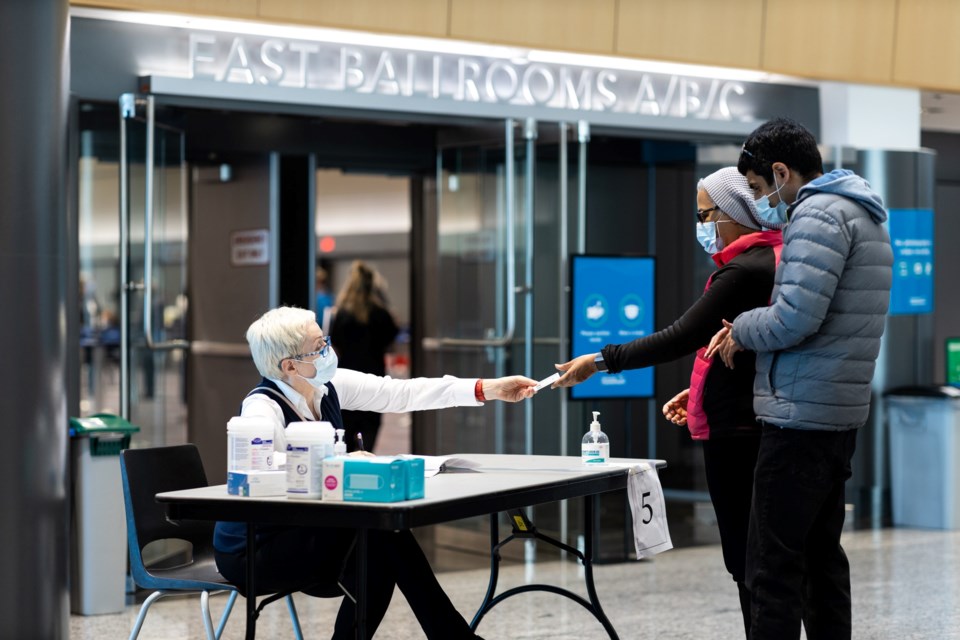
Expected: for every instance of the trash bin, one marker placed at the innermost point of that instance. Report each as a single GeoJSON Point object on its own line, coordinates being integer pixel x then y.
{"type": "Point", "coordinates": [925, 456]}
{"type": "Point", "coordinates": [98, 565]}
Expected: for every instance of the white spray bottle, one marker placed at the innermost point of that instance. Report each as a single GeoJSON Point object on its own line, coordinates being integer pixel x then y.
{"type": "Point", "coordinates": [595, 446]}
{"type": "Point", "coordinates": [340, 447]}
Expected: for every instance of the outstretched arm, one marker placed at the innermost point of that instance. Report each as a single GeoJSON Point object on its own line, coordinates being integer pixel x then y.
{"type": "Point", "coordinates": [576, 371]}
{"type": "Point", "coordinates": [509, 388]}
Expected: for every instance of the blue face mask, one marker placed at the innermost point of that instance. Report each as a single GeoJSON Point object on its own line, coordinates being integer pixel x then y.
{"type": "Point", "coordinates": [768, 214]}
{"type": "Point", "coordinates": [708, 238]}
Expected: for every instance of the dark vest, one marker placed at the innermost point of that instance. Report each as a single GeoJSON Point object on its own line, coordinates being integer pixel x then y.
{"type": "Point", "coordinates": [231, 537]}
{"type": "Point", "coordinates": [329, 404]}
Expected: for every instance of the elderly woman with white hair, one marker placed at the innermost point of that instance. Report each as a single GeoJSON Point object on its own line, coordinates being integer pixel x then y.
{"type": "Point", "coordinates": [301, 382]}
{"type": "Point", "coordinates": [717, 408]}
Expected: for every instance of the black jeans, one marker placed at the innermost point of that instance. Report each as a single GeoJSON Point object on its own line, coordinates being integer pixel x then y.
{"type": "Point", "coordinates": [729, 464]}
{"type": "Point", "coordinates": [313, 560]}
{"type": "Point", "coordinates": [796, 568]}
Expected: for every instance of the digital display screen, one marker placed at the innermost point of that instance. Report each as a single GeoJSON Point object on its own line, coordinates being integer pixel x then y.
{"type": "Point", "coordinates": [911, 236]}
{"type": "Point", "coordinates": [612, 302]}
{"type": "Point", "coordinates": [953, 361]}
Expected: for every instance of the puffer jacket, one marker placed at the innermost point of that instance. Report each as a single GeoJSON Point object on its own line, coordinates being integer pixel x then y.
{"type": "Point", "coordinates": [818, 341]}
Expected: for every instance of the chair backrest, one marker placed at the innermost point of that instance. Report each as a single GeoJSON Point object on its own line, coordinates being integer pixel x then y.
{"type": "Point", "coordinates": [147, 472]}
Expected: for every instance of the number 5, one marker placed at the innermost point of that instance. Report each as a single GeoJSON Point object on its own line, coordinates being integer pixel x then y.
{"type": "Point", "coordinates": [644, 505]}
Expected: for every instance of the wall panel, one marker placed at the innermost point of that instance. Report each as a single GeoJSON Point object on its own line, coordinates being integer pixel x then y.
{"type": "Point", "coordinates": [416, 17]}
{"type": "Point", "coordinates": [927, 51]}
{"type": "Point", "coordinates": [567, 25]}
{"type": "Point", "coordinates": [725, 33]}
{"type": "Point", "coordinates": [850, 40]}
{"type": "Point", "coordinates": [909, 43]}
{"type": "Point", "coordinates": [218, 8]}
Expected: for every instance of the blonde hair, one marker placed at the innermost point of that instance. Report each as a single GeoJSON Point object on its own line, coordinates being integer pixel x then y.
{"type": "Point", "coordinates": [360, 293]}
{"type": "Point", "coordinates": [276, 335]}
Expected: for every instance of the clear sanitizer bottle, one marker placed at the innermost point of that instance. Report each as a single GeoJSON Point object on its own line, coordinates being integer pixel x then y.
{"type": "Point", "coordinates": [340, 447]}
{"type": "Point", "coordinates": [595, 446]}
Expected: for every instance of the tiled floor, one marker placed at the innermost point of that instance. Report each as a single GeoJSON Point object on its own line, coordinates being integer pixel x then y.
{"type": "Point", "coordinates": [906, 586]}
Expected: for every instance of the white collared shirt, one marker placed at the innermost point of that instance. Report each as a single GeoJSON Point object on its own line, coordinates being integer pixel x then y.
{"type": "Point", "coordinates": [365, 392]}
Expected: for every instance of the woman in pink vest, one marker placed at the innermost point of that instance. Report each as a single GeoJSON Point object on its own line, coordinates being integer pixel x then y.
{"type": "Point", "coordinates": [718, 406]}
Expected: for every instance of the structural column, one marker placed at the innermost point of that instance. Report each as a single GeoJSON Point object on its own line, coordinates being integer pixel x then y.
{"type": "Point", "coordinates": [876, 132]}
{"type": "Point", "coordinates": [34, 527]}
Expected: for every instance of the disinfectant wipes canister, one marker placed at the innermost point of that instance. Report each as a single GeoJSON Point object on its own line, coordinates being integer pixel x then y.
{"type": "Point", "coordinates": [308, 443]}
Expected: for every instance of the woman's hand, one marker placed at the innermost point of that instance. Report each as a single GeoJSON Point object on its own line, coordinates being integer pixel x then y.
{"type": "Point", "coordinates": [675, 410]}
{"type": "Point", "coordinates": [509, 388]}
{"type": "Point", "coordinates": [361, 454]}
{"type": "Point", "coordinates": [576, 371]}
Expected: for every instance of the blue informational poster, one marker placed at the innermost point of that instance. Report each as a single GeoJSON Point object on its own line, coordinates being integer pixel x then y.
{"type": "Point", "coordinates": [911, 235]}
{"type": "Point", "coordinates": [612, 301]}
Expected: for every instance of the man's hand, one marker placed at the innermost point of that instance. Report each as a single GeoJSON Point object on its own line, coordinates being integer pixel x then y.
{"type": "Point", "coordinates": [509, 388]}
{"type": "Point", "coordinates": [576, 371]}
{"type": "Point", "coordinates": [724, 345]}
{"type": "Point", "coordinates": [676, 408]}
{"type": "Point", "coordinates": [717, 339]}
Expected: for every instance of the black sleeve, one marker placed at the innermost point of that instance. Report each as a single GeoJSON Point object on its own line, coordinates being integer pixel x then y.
{"type": "Point", "coordinates": [385, 328]}
{"type": "Point", "coordinates": [734, 289]}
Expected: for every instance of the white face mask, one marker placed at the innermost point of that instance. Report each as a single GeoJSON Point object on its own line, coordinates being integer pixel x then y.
{"type": "Point", "coordinates": [325, 367]}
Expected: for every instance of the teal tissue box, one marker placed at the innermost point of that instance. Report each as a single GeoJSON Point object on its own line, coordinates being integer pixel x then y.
{"type": "Point", "coordinates": [378, 479]}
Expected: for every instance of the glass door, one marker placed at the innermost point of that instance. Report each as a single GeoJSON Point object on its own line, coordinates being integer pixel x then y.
{"type": "Point", "coordinates": [153, 273]}
{"type": "Point", "coordinates": [474, 261]}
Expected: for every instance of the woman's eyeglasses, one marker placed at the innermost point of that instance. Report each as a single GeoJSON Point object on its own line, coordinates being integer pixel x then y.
{"type": "Point", "coordinates": [327, 342]}
{"type": "Point", "coordinates": [703, 214]}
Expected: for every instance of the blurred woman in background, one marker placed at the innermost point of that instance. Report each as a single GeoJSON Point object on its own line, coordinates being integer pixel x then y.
{"type": "Point", "coordinates": [366, 329]}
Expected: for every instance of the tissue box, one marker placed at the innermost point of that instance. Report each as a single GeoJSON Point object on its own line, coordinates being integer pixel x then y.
{"type": "Point", "coordinates": [257, 483]}
{"type": "Point", "coordinates": [379, 479]}
{"type": "Point", "coordinates": [415, 475]}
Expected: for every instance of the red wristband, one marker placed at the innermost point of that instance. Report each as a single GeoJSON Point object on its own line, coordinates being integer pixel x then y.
{"type": "Point", "coordinates": [478, 391]}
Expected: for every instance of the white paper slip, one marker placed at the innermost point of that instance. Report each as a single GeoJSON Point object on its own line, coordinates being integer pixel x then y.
{"type": "Point", "coordinates": [432, 465]}
{"type": "Point", "coordinates": [546, 382]}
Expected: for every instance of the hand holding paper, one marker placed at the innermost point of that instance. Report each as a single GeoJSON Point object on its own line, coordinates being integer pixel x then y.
{"type": "Point", "coordinates": [547, 381]}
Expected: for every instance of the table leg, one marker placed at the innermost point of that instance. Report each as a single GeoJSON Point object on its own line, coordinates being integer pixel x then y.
{"type": "Point", "coordinates": [589, 514]}
{"type": "Point", "coordinates": [251, 578]}
{"type": "Point", "coordinates": [361, 560]}
{"type": "Point", "coordinates": [494, 570]}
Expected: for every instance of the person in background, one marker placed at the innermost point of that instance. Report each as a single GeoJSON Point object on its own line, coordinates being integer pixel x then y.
{"type": "Point", "coordinates": [718, 407]}
{"type": "Point", "coordinates": [324, 301]}
{"type": "Point", "coordinates": [302, 382]}
{"type": "Point", "coordinates": [366, 329]}
{"type": "Point", "coordinates": [816, 345]}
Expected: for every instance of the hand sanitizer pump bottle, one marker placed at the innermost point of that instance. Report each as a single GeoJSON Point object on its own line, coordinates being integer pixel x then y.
{"type": "Point", "coordinates": [595, 446]}
{"type": "Point", "coordinates": [340, 447]}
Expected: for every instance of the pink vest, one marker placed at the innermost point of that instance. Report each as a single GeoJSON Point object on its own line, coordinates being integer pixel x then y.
{"type": "Point", "coordinates": [696, 417]}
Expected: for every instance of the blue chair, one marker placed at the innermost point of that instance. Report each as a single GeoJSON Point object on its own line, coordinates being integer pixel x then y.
{"type": "Point", "coordinates": [145, 473]}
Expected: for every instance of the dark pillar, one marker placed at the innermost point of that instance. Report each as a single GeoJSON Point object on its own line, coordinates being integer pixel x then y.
{"type": "Point", "coordinates": [34, 530]}
{"type": "Point", "coordinates": [296, 235]}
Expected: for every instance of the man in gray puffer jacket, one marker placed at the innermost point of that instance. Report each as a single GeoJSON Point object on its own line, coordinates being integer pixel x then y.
{"type": "Point", "coordinates": [817, 345]}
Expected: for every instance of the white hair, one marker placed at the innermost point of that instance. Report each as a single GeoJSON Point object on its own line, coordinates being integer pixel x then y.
{"type": "Point", "coordinates": [276, 335]}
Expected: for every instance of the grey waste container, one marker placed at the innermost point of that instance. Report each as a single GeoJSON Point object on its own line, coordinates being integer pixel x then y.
{"type": "Point", "coordinates": [98, 531]}
{"type": "Point", "coordinates": [925, 456]}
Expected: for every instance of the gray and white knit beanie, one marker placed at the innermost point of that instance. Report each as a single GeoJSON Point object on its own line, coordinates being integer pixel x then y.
{"type": "Point", "coordinates": [729, 190]}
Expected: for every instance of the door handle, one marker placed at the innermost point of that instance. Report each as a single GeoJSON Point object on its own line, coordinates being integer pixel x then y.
{"type": "Point", "coordinates": [168, 345]}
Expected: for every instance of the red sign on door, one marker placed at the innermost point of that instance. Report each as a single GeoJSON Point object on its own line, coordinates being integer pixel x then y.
{"type": "Point", "coordinates": [249, 247]}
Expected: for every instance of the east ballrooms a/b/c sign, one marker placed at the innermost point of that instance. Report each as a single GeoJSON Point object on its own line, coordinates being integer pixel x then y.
{"type": "Point", "coordinates": [363, 70]}
{"type": "Point", "coordinates": [342, 69]}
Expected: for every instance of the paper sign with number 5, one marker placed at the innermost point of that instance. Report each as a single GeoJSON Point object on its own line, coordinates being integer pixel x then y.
{"type": "Point", "coordinates": [651, 534]}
